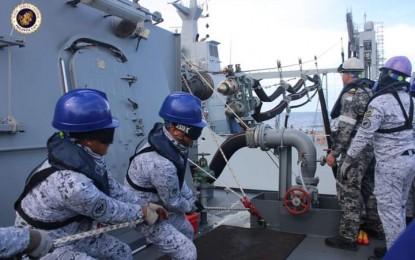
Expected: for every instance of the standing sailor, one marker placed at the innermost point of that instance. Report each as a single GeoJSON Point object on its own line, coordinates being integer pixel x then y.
{"type": "Point", "coordinates": [157, 173]}
{"type": "Point", "coordinates": [73, 187]}
{"type": "Point", "coordinates": [349, 110]}
{"type": "Point", "coordinates": [388, 125]}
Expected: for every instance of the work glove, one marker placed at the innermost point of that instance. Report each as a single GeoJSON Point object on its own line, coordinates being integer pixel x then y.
{"type": "Point", "coordinates": [347, 163]}
{"type": "Point", "coordinates": [39, 245]}
{"type": "Point", "coordinates": [199, 206]}
{"type": "Point", "coordinates": [154, 212]}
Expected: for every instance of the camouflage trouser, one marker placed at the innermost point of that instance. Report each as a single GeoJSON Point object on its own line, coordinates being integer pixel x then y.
{"type": "Point", "coordinates": [393, 180]}
{"type": "Point", "coordinates": [173, 236]}
{"type": "Point", "coordinates": [349, 195]}
{"type": "Point", "coordinates": [370, 217]}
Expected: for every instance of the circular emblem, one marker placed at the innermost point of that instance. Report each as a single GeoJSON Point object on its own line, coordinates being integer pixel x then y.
{"type": "Point", "coordinates": [100, 208]}
{"type": "Point", "coordinates": [26, 18]}
{"type": "Point", "coordinates": [366, 123]}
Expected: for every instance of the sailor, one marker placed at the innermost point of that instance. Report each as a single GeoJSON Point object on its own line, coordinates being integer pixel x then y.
{"type": "Point", "coordinates": [157, 173]}
{"type": "Point", "coordinates": [349, 110]}
{"type": "Point", "coordinates": [16, 241]}
{"type": "Point", "coordinates": [388, 125]}
{"type": "Point", "coordinates": [71, 189]}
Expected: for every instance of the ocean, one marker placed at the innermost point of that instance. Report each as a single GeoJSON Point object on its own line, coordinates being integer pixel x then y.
{"type": "Point", "coordinates": [304, 121]}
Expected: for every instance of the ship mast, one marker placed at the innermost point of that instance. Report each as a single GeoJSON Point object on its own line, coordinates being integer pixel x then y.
{"type": "Point", "coordinates": [189, 33]}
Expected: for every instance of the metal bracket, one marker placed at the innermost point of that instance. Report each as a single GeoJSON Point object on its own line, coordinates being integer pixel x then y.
{"type": "Point", "coordinates": [8, 42]}
{"type": "Point", "coordinates": [133, 104]}
{"type": "Point", "coordinates": [130, 79]}
{"type": "Point", "coordinates": [73, 3]}
{"type": "Point", "coordinates": [11, 126]}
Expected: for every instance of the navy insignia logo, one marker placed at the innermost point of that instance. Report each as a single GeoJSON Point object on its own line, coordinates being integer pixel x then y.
{"type": "Point", "coordinates": [100, 208]}
{"type": "Point", "coordinates": [26, 18]}
{"type": "Point", "coordinates": [366, 123]}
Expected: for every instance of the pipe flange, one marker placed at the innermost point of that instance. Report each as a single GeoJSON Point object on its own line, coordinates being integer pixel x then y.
{"type": "Point", "coordinates": [250, 137]}
{"type": "Point", "coordinates": [260, 136]}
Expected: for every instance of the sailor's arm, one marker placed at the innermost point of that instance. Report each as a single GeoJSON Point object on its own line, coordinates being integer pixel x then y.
{"type": "Point", "coordinates": [371, 122]}
{"type": "Point", "coordinates": [346, 124]}
{"type": "Point", "coordinates": [168, 188]}
{"type": "Point", "coordinates": [18, 241]}
{"type": "Point", "coordinates": [83, 197]}
{"type": "Point", "coordinates": [121, 192]}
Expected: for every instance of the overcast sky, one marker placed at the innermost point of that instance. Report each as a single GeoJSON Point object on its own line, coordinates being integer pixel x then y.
{"type": "Point", "coordinates": [257, 33]}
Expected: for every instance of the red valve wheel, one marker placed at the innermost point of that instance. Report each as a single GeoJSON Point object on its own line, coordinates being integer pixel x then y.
{"type": "Point", "coordinates": [297, 200]}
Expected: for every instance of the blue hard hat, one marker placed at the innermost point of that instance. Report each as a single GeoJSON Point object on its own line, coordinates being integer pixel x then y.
{"type": "Point", "coordinates": [182, 108]}
{"type": "Point", "coordinates": [83, 110]}
{"type": "Point", "coordinates": [400, 64]}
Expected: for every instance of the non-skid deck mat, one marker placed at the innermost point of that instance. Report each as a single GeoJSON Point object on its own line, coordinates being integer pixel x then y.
{"type": "Point", "coordinates": [228, 242]}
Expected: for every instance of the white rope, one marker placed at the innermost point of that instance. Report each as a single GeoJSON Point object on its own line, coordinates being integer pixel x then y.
{"type": "Point", "coordinates": [211, 176]}
{"type": "Point", "coordinates": [211, 132]}
{"type": "Point", "coordinates": [94, 232]}
{"type": "Point", "coordinates": [224, 208]}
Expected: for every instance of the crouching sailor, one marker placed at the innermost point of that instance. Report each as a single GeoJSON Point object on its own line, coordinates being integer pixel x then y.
{"type": "Point", "coordinates": [157, 173]}
{"type": "Point", "coordinates": [73, 187]}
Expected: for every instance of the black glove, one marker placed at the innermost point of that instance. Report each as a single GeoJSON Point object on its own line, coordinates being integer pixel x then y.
{"type": "Point", "coordinates": [199, 206]}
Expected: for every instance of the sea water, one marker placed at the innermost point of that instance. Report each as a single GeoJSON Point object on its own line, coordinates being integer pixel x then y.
{"type": "Point", "coordinates": [305, 121]}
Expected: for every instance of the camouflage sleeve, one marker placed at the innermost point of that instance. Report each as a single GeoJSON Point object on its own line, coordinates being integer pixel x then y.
{"type": "Point", "coordinates": [187, 193]}
{"type": "Point", "coordinates": [13, 240]}
{"type": "Point", "coordinates": [122, 193]}
{"type": "Point", "coordinates": [350, 109]}
{"type": "Point", "coordinates": [167, 185]}
{"type": "Point", "coordinates": [79, 194]}
{"type": "Point", "coordinates": [371, 122]}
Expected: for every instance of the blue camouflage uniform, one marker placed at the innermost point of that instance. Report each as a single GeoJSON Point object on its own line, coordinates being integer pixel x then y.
{"type": "Point", "coordinates": [150, 170]}
{"type": "Point", "coordinates": [67, 193]}
{"type": "Point", "coordinates": [13, 241]}
{"type": "Point", "coordinates": [395, 162]}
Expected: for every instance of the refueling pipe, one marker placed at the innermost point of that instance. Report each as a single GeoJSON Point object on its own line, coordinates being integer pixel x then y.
{"type": "Point", "coordinates": [266, 138]}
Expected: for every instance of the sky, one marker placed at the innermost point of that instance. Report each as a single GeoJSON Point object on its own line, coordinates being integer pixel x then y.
{"type": "Point", "coordinates": [257, 33]}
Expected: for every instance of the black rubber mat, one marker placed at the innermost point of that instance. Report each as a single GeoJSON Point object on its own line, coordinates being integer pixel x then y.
{"type": "Point", "coordinates": [228, 242]}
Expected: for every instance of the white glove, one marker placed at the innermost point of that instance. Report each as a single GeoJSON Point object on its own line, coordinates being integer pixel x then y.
{"type": "Point", "coordinates": [40, 244]}
{"type": "Point", "coordinates": [154, 212]}
{"type": "Point", "coordinates": [347, 163]}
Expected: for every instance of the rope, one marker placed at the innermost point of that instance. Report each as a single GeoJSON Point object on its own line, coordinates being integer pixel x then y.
{"type": "Point", "coordinates": [94, 232]}
{"type": "Point", "coordinates": [211, 132]}
{"type": "Point", "coordinates": [211, 176]}
{"type": "Point", "coordinates": [224, 208]}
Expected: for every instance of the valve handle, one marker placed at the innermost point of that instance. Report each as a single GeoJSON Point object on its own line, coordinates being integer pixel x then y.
{"type": "Point", "coordinates": [297, 200]}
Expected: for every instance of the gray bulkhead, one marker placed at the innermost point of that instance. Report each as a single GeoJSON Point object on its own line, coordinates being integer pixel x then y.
{"type": "Point", "coordinates": [75, 46]}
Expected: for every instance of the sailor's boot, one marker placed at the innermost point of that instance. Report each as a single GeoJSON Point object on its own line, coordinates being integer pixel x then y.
{"type": "Point", "coordinates": [342, 243]}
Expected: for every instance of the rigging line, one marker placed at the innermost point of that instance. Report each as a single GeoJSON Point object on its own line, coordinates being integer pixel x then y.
{"type": "Point", "coordinates": [217, 94]}
{"type": "Point", "coordinates": [211, 176]}
{"type": "Point", "coordinates": [203, 69]}
{"type": "Point", "coordinates": [211, 132]}
{"type": "Point", "coordinates": [94, 232]}
{"type": "Point", "coordinates": [296, 64]}
{"type": "Point", "coordinates": [217, 144]}
{"type": "Point", "coordinates": [223, 101]}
